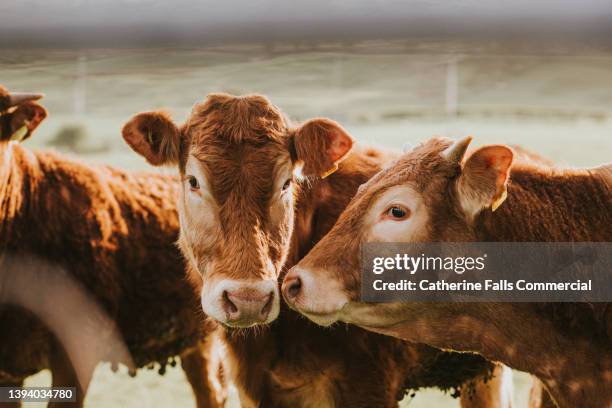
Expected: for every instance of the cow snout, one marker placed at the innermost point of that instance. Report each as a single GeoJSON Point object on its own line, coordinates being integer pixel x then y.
{"type": "Point", "coordinates": [247, 305]}
{"type": "Point", "coordinates": [313, 293]}
{"type": "Point", "coordinates": [292, 286]}
{"type": "Point", "coordinates": [243, 304]}
{"type": "Point", "coordinates": [296, 287]}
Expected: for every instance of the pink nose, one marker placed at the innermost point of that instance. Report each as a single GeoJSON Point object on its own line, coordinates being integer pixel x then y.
{"type": "Point", "coordinates": [246, 306]}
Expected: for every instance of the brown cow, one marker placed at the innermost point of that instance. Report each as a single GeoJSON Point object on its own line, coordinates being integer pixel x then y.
{"type": "Point", "coordinates": [429, 196]}
{"type": "Point", "coordinates": [77, 241]}
{"type": "Point", "coordinates": [253, 202]}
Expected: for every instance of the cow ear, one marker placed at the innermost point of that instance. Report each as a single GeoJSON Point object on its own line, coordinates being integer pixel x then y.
{"type": "Point", "coordinates": [483, 180]}
{"type": "Point", "coordinates": [154, 136]}
{"type": "Point", "coordinates": [321, 144]}
{"type": "Point", "coordinates": [25, 119]}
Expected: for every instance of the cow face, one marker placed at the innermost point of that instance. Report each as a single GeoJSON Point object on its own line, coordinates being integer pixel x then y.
{"type": "Point", "coordinates": [241, 166]}
{"type": "Point", "coordinates": [19, 114]}
{"type": "Point", "coordinates": [428, 195]}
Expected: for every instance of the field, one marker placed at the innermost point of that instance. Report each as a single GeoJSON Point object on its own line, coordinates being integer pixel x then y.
{"type": "Point", "coordinates": [554, 99]}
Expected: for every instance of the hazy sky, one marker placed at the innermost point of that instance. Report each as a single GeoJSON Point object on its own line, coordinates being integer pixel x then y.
{"type": "Point", "coordinates": [136, 20]}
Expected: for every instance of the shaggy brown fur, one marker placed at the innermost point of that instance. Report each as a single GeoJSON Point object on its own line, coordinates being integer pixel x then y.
{"type": "Point", "coordinates": [568, 346]}
{"type": "Point", "coordinates": [240, 145]}
{"type": "Point", "coordinates": [113, 232]}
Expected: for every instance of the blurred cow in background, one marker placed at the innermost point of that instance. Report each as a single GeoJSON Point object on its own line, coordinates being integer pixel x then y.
{"type": "Point", "coordinates": [89, 270]}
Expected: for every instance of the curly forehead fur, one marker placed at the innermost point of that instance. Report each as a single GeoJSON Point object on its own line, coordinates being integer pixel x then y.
{"type": "Point", "coordinates": [417, 166]}
{"type": "Point", "coordinates": [246, 119]}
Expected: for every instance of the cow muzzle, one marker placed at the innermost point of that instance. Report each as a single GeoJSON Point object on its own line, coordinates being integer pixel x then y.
{"type": "Point", "coordinates": [318, 298]}
{"type": "Point", "coordinates": [242, 304]}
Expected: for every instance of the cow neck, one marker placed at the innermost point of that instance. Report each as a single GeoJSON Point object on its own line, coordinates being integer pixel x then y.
{"type": "Point", "coordinates": [19, 174]}
{"type": "Point", "coordinates": [550, 205]}
{"type": "Point", "coordinates": [570, 206]}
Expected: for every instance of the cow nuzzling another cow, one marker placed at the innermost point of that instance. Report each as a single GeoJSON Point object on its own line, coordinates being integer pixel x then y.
{"type": "Point", "coordinates": [256, 194]}
{"type": "Point", "coordinates": [433, 194]}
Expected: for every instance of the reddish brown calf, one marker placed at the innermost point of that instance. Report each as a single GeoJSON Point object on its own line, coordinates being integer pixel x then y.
{"type": "Point", "coordinates": [90, 250]}
{"type": "Point", "coordinates": [431, 194]}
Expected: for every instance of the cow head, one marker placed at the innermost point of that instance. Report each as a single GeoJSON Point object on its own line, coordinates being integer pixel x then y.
{"type": "Point", "coordinates": [429, 195]}
{"type": "Point", "coordinates": [19, 114]}
{"type": "Point", "coordinates": [241, 165]}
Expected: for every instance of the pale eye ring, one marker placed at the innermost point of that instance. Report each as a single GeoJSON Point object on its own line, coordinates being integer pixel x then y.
{"type": "Point", "coordinates": [193, 183]}
{"type": "Point", "coordinates": [397, 212]}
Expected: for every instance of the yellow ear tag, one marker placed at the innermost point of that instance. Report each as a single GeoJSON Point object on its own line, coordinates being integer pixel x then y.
{"type": "Point", "coordinates": [330, 171]}
{"type": "Point", "coordinates": [20, 134]}
{"type": "Point", "coordinates": [500, 200]}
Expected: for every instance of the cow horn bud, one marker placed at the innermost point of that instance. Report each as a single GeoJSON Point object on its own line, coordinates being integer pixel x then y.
{"type": "Point", "coordinates": [455, 152]}
{"type": "Point", "coordinates": [17, 98]}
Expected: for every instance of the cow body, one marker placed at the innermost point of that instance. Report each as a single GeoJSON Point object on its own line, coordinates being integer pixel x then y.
{"type": "Point", "coordinates": [429, 195]}
{"type": "Point", "coordinates": [111, 235]}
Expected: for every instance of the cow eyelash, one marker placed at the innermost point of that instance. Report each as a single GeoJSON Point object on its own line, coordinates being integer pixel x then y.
{"type": "Point", "coordinates": [396, 212]}
{"type": "Point", "coordinates": [193, 183]}
{"type": "Point", "coordinates": [287, 185]}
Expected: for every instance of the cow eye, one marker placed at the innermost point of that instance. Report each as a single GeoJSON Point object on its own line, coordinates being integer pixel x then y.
{"type": "Point", "coordinates": [397, 212]}
{"type": "Point", "coordinates": [193, 183]}
{"type": "Point", "coordinates": [286, 185]}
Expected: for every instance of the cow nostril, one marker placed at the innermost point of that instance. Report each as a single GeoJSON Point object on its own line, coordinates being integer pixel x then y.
{"type": "Point", "coordinates": [265, 311]}
{"type": "Point", "coordinates": [294, 288]}
{"type": "Point", "coordinates": [228, 306]}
